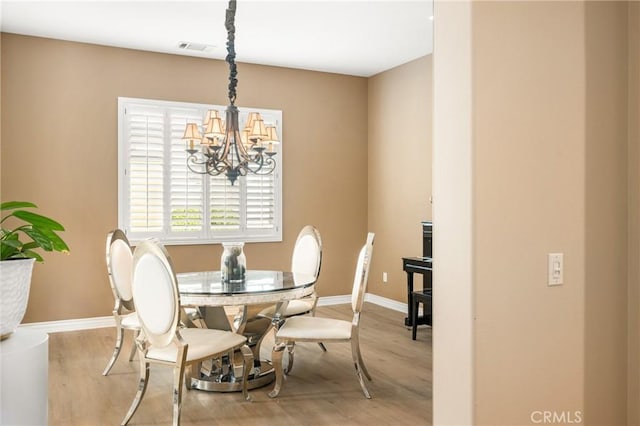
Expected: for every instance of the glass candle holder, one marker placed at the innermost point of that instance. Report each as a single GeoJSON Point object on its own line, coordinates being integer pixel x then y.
{"type": "Point", "coordinates": [233, 263]}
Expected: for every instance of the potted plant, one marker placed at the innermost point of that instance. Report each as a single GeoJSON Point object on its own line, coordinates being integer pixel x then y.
{"type": "Point", "coordinates": [28, 231]}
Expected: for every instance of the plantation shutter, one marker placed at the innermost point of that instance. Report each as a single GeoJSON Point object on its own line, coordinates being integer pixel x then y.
{"type": "Point", "coordinates": [186, 187]}
{"type": "Point", "coordinates": [260, 201]}
{"type": "Point", "coordinates": [145, 137]}
{"type": "Point", "coordinates": [160, 197]}
{"type": "Point", "coordinates": [224, 203]}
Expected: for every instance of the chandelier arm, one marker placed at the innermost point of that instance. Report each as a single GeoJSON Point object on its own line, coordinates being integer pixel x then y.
{"type": "Point", "coordinates": [229, 23]}
{"type": "Point", "coordinates": [193, 159]}
{"type": "Point", "coordinates": [267, 166]}
{"type": "Point", "coordinates": [220, 165]}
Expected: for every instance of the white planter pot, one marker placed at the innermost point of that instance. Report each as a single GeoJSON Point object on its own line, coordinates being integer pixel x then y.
{"type": "Point", "coordinates": [15, 281]}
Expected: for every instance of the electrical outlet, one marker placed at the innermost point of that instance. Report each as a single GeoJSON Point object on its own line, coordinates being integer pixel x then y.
{"type": "Point", "coordinates": [385, 277]}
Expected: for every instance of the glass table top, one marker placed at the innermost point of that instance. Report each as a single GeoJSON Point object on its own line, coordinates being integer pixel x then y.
{"type": "Point", "coordinates": [210, 283]}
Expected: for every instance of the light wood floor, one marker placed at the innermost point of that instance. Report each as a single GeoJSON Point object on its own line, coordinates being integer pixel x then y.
{"type": "Point", "coordinates": [321, 390]}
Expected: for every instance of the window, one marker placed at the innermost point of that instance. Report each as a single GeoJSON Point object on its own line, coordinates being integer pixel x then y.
{"type": "Point", "coordinates": [158, 196]}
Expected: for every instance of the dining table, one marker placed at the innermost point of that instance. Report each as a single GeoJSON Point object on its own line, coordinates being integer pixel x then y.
{"type": "Point", "coordinates": [215, 298]}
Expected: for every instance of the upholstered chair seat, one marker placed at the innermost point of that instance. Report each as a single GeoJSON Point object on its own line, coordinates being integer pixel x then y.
{"type": "Point", "coordinates": [315, 328]}
{"type": "Point", "coordinates": [202, 342]}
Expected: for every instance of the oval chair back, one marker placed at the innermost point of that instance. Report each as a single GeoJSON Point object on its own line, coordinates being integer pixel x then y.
{"type": "Point", "coordinates": [307, 252]}
{"type": "Point", "coordinates": [361, 277]}
{"type": "Point", "coordinates": [155, 291]}
{"type": "Point", "coordinates": [120, 267]}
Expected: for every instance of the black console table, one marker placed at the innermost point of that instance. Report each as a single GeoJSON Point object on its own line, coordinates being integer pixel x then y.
{"type": "Point", "coordinates": [420, 265]}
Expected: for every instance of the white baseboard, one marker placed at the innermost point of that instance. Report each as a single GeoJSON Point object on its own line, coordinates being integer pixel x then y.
{"type": "Point", "coordinates": [371, 298]}
{"type": "Point", "coordinates": [101, 322]}
{"type": "Point", "coordinates": [71, 325]}
{"type": "Point", "coordinates": [386, 303]}
{"type": "Point", "coordinates": [334, 300]}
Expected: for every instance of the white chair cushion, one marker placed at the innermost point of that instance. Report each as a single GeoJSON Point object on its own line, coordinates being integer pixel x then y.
{"type": "Point", "coordinates": [295, 307]}
{"type": "Point", "coordinates": [314, 328]}
{"type": "Point", "coordinates": [121, 268]}
{"type": "Point", "coordinates": [306, 256]}
{"type": "Point", "coordinates": [130, 321]}
{"type": "Point", "coordinates": [202, 343]}
{"type": "Point", "coordinates": [154, 294]}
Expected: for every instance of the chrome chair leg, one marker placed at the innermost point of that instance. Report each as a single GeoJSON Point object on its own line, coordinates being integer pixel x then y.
{"type": "Point", "coordinates": [116, 349]}
{"type": "Point", "coordinates": [142, 388]}
{"type": "Point", "coordinates": [178, 384]}
{"type": "Point", "coordinates": [355, 349]}
{"type": "Point", "coordinates": [276, 359]}
{"type": "Point", "coordinates": [359, 366]}
{"type": "Point", "coordinates": [361, 380]}
{"type": "Point", "coordinates": [247, 366]}
{"type": "Point", "coordinates": [133, 345]}
{"type": "Point", "coordinates": [290, 349]}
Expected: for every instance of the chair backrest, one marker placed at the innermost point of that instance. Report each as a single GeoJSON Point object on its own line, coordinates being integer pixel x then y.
{"type": "Point", "coordinates": [307, 253]}
{"type": "Point", "coordinates": [120, 267]}
{"type": "Point", "coordinates": [155, 291]}
{"type": "Point", "coordinates": [361, 277]}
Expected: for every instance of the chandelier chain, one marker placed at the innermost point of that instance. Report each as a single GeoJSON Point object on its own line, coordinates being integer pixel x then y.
{"type": "Point", "coordinates": [231, 50]}
{"type": "Point", "coordinates": [231, 151]}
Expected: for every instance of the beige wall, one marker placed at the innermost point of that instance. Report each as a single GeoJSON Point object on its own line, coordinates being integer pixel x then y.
{"type": "Point", "coordinates": [549, 174]}
{"type": "Point", "coordinates": [633, 298]}
{"type": "Point", "coordinates": [59, 133]}
{"type": "Point", "coordinates": [529, 178]}
{"type": "Point", "coordinates": [399, 129]}
{"type": "Point", "coordinates": [606, 213]}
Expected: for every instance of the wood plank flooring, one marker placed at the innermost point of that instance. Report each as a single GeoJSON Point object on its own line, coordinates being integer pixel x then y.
{"type": "Point", "coordinates": [321, 390]}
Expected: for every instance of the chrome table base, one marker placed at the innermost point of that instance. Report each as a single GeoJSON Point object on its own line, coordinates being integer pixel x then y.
{"type": "Point", "coordinates": [259, 377]}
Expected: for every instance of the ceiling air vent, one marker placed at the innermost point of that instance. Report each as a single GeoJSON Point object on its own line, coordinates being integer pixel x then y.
{"type": "Point", "coordinates": [199, 47]}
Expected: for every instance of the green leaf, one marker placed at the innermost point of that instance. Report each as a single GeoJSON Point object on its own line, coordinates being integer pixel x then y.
{"type": "Point", "coordinates": [11, 205]}
{"type": "Point", "coordinates": [33, 254]}
{"type": "Point", "coordinates": [58, 243]}
{"type": "Point", "coordinates": [41, 229]}
{"type": "Point", "coordinates": [31, 245]}
{"type": "Point", "coordinates": [41, 239]}
{"type": "Point", "coordinates": [6, 235]}
{"type": "Point", "coordinates": [7, 250]}
{"type": "Point", "coordinates": [11, 243]}
{"type": "Point", "coordinates": [38, 220]}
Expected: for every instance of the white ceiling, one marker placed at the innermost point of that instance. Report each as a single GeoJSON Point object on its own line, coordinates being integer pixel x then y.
{"type": "Point", "coordinates": [359, 38]}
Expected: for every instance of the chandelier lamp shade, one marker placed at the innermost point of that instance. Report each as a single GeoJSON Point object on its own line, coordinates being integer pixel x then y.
{"type": "Point", "coordinates": [222, 147]}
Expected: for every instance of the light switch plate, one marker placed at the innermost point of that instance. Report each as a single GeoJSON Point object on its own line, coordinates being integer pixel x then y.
{"type": "Point", "coordinates": [555, 268]}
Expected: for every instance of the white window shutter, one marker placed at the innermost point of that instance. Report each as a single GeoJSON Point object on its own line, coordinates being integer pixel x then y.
{"type": "Point", "coordinates": [160, 197]}
{"type": "Point", "coordinates": [186, 187]}
{"type": "Point", "coordinates": [224, 203]}
{"type": "Point", "coordinates": [146, 168]}
{"type": "Point", "coordinates": [260, 201]}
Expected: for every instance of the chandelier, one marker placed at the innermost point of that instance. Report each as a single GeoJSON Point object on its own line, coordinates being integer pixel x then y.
{"type": "Point", "coordinates": [223, 147]}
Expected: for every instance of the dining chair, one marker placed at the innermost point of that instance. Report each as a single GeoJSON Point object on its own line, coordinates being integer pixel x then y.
{"type": "Point", "coordinates": [317, 329]}
{"type": "Point", "coordinates": [162, 341]}
{"type": "Point", "coordinates": [119, 267]}
{"type": "Point", "coordinates": [306, 259]}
